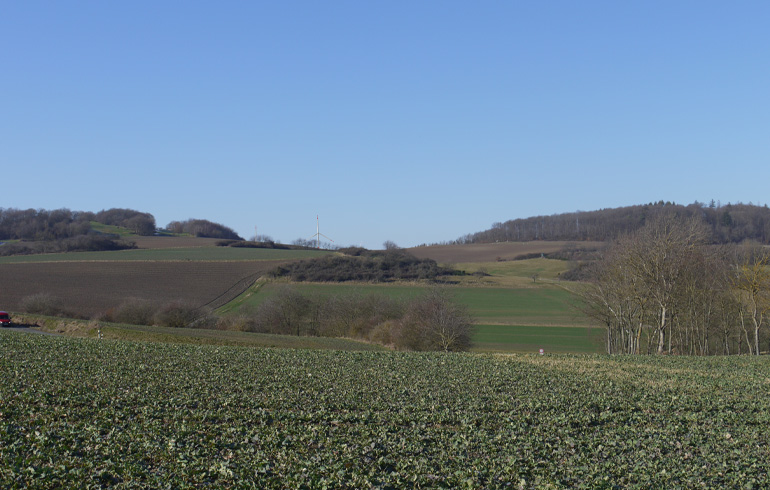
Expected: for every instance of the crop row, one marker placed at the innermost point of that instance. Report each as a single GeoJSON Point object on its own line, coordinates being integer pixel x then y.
{"type": "Point", "coordinates": [88, 413]}
{"type": "Point", "coordinates": [89, 288]}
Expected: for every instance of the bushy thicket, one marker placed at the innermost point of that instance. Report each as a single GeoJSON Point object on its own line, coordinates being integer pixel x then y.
{"type": "Point", "coordinates": [46, 304]}
{"type": "Point", "coordinates": [431, 321]}
{"type": "Point", "coordinates": [251, 244]}
{"type": "Point", "coordinates": [82, 243]}
{"type": "Point", "coordinates": [203, 228]}
{"type": "Point", "coordinates": [571, 252]}
{"type": "Point", "coordinates": [363, 265]}
{"type": "Point", "coordinates": [176, 314]}
{"type": "Point", "coordinates": [132, 311]}
{"type": "Point", "coordinates": [136, 221]}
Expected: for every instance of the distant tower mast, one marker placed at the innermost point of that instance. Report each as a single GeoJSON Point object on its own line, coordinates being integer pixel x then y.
{"type": "Point", "coordinates": [318, 233]}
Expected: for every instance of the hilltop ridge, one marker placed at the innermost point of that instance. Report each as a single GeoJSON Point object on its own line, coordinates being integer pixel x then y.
{"type": "Point", "coordinates": [730, 223]}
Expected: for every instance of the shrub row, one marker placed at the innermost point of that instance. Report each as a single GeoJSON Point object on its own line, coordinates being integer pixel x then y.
{"type": "Point", "coordinates": [431, 321]}
{"type": "Point", "coordinates": [363, 265]}
{"type": "Point", "coordinates": [176, 314]}
{"type": "Point", "coordinates": [251, 244]}
{"type": "Point", "coordinates": [133, 311]}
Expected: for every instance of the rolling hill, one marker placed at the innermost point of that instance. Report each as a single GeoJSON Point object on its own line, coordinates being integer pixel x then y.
{"type": "Point", "coordinates": [730, 223]}
{"type": "Point", "coordinates": [518, 304]}
{"type": "Point", "coordinates": [89, 283]}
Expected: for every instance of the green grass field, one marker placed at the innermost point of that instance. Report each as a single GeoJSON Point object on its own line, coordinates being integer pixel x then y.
{"type": "Point", "coordinates": [545, 305]}
{"type": "Point", "coordinates": [522, 338]}
{"type": "Point", "coordinates": [515, 272]}
{"type": "Point", "coordinates": [112, 230]}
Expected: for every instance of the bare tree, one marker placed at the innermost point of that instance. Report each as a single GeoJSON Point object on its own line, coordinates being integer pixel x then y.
{"type": "Point", "coordinates": [661, 254]}
{"type": "Point", "coordinates": [284, 313]}
{"type": "Point", "coordinates": [752, 286]}
{"type": "Point", "coordinates": [618, 300]}
{"type": "Point", "coordinates": [434, 322]}
{"type": "Point", "coordinates": [390, 245]}
{"type": "Point", "coordinates": [657, 283]}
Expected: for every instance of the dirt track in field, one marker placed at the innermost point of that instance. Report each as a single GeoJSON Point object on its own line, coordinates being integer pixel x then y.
{"type": "Point", "coordinates": [490, 252]}
{"type": "Point", "coordinates": [90, 288]}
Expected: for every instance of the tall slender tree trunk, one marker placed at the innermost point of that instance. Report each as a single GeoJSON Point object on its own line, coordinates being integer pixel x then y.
{"type": "Point", "coordinates": [662, 331]}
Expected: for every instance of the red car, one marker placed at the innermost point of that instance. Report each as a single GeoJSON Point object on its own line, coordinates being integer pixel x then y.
{"type": "Point", "coordinates": [5, 319]}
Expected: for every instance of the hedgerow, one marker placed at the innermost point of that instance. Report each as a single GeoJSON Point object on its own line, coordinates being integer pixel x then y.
{"type": "Point", "coordinates": [363, 265]}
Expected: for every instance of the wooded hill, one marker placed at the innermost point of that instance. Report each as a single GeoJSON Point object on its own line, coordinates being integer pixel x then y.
{"type": "Point", "coordinates": [730, 223]}
{"type": "Point", "coordinates": [62, 230]}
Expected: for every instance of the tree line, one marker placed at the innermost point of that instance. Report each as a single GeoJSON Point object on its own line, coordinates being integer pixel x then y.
{"type": "Point", "coordinates": [39, 224]}
{"type": "Point", "coordinates": [44, 225]}
{"type": "Point", "coordinates": [666, 288]}
{"type": "Point", "coordinates": [731, 223]}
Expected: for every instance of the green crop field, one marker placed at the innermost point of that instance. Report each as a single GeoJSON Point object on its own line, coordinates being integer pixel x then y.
{"type": "Point", "coordinates": [82, 413]}
{"type": "Point", "coordinates": [112, 230]}
{"type": "Point", "coordinates": [521, 338]}
{"type": "Point", "coordinates": [516, 272]}
{"type": "Point", "coordinates": [547, 305]}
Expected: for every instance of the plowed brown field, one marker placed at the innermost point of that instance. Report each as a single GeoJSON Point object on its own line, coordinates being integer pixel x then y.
{"type": "Point", "coordinates": [89, 288]}
{"type": "Point", "coordinates": [490, 252]}
{"type": "Point", "coordinates": [173, 241]}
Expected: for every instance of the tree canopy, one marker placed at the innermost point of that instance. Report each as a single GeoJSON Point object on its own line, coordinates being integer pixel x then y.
{"type": "Point", "coordinates": [731, 223]}
{"type": "Point", "coordinates": [203, 228]}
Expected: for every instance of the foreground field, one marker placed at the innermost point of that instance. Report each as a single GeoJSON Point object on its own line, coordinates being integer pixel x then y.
{"type": "Point", "coordinates": [176, 416]}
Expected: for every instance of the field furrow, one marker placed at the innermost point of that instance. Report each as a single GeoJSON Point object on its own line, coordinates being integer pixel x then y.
{"type": "Point", "coordinates": [93, 287]}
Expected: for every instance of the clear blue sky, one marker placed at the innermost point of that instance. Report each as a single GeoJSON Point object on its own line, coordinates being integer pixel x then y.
{"type": "Point", "coordinates": [410, 121]}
